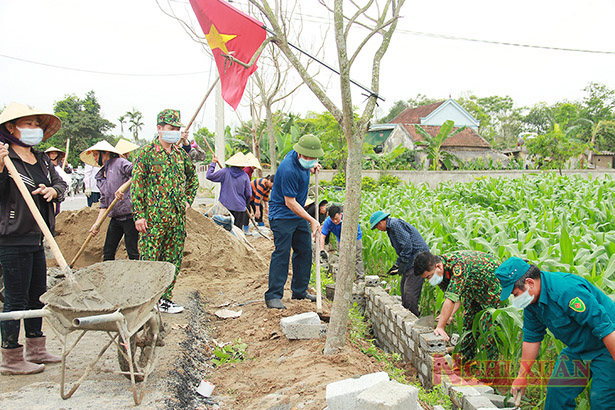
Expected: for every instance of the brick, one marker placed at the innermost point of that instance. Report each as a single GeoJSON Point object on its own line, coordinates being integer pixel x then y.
{"type": "Point", "coordinates": [484, 389]}
{"type": "Point", "coordinates": [342, 395]}
{"type": "Point", "coordinates": [432, 343]}
{"type": "Point", "coordinates": [372, 280]}
{"type": "Point", "coordinates": [458, 393]}
{"type": "Point", "coordinates": [388, 395]}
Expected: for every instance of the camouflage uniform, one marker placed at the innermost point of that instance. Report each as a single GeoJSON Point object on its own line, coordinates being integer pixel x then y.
{"type": "Point", "coordinates": [470, 275]}
{"type": "Point", "coordinates": [162, 184]}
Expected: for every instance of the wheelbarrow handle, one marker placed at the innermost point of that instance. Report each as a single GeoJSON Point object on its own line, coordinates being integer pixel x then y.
{"type": "Point", "coordinates": [98, 319]}
{"type": "Point", "coordinates": [24, 314]}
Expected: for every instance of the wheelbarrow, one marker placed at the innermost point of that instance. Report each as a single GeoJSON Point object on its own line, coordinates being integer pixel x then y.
{"type": "Point", "coordinates": [115, 297]}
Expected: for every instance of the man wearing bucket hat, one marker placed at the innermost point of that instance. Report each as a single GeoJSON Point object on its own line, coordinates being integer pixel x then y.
{"type": "Point", "coordinates": [289, 222]}
{"type": "Point", "coordinates": [164, 185]}
{"type": "Point", "coordinates": [578, 314]}
{"type": "Point", "coordinates": [115, 171]}
{"type": "Point", "coordinates": [407, 242]}
{"type": "Point", "coordinates": [235, 190]}
{"type": "Point", "coordinates": [22, 255]}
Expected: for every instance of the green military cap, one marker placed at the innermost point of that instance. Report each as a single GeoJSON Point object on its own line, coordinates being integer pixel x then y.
{"type": "Point", "coordinates": [170, 117]}
{"type": "Point", "coordinates": [309, 145]}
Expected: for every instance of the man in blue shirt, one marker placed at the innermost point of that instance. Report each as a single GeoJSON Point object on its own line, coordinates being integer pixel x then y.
{"type": "Point", "coordinates": [333, 223]}
{"type": "Point", "coordinates": [578, 314]}
{"type": "Point", "coordinates": [289, 222]}
{"type": "Point", "coordinates": [407, 242]}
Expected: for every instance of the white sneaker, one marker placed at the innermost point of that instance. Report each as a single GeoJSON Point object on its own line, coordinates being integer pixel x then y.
{"type": "Point", "coordinates": [166, 306]}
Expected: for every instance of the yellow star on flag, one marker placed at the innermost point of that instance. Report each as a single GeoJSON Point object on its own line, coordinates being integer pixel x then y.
{"type": "Point", "coordinates": [217, 40]}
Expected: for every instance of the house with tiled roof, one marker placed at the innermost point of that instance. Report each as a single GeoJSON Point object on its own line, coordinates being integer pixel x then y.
{"type": "Point", "coordinates": [466, 145]}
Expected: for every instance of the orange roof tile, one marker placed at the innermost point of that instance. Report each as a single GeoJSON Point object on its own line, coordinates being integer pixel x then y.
{"type": "Point", "coordinates": [413, 115]}
{"type": "Point", "coordinates": [466, 138]}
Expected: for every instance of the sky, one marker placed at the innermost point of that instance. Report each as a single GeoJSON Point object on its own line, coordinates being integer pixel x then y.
{"type": "Point", "coordinates": [132, 55]}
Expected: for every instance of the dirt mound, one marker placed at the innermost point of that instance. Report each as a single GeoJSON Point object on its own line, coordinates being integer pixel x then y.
{"type": "Point", "coordinates": [208, 249]}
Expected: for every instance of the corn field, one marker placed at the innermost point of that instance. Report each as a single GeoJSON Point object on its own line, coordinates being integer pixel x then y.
{"type": "Point", "coordinates": [561, 224]}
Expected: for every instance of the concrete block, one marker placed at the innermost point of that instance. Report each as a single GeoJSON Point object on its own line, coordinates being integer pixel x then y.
{"type": "Point", "coordinates": [484, 389]}
{"type": "Point", "coordinates": [301, 331]}
{"type": "Point", "coordinates": [371, 280]}
{"type": "Point", "coordinates": [357, 298]}
{"type": "Point", "coordinates": [476, 402]}
{"type": "Point", "coordinates": [342, 395]}
{"type": "Point", "coordinates": [432, 343]}
{"type": "Point", "coordinates": [458, 393]}
{"type": "Point", "coordinates": [388, 395]}
{"type": "Point", "coordinates": [303, 326]}
{"type": "Point", "coordinates": [498, 401]}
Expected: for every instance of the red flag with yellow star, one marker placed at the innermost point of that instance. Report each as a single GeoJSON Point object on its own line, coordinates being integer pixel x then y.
{"type": "Point", "coordinates": [230, 31]}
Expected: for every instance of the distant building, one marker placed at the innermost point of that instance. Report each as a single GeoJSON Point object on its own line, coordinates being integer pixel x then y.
{"type": "Point", "coordinates": [466, 145]}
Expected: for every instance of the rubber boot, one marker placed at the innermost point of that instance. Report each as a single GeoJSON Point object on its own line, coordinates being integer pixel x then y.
{"type": "Point", "coordinates": [36, 352]}
{"type": "Point", "coordinates": [14, 363]}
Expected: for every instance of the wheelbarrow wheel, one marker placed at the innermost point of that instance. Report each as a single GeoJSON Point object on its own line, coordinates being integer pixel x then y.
{"type": "Point", "coordinates": [142, 345]}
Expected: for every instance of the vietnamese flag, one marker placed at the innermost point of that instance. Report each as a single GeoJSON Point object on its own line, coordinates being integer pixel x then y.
{"type": "Point", "coordinates": [230, 31]}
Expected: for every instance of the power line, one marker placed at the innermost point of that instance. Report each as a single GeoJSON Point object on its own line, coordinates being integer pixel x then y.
{"type": "Point", "coordinates": [101, 72]}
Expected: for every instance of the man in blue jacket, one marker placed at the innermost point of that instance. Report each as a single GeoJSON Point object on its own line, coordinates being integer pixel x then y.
{"type": "Point", "coordinates": [288, 221]}
{"type": "Point", "coordinates": [578, 314]}
{"type": "Point", "coordinates": [407, 242]}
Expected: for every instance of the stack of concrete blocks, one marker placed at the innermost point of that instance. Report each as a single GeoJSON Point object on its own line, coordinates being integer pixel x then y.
{"type": "Point", "coordinates": [303, 326]}
{"type": "Point", "coordinates": [396, 331]}
{"type": "Point", "coordinates": [371, 392]}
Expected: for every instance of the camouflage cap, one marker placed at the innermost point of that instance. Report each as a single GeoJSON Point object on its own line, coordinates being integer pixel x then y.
{"type": "Point", "coordinates": [170, 117]}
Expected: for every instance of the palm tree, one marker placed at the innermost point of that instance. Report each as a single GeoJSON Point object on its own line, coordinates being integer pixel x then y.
{"type": "Point", "coordinates": [595, 128]}
{"type": "Point", "coordinates": [134, 119]}
{"type": "Point", "coordinates": [122, 120]}
{"type": "Point", "coordinates": [433, 145]}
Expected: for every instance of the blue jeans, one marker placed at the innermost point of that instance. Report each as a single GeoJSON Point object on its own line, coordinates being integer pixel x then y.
{"type": "Point", "coordinates": [25, 279]}
{"type": "Point", "coordinates": [93, 198]}
{"type": "Point", "coordinates": [569, 379]}
{"type": "Point", "coordinates": [287, 234]}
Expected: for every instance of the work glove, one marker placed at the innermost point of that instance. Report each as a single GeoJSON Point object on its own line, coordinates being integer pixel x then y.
{"type": "Point", "coordinates": [394, 270]}
{"type": "Point", "coordinates": [88, 192]}
{"type": "Point", "coordinates": [324, 255]}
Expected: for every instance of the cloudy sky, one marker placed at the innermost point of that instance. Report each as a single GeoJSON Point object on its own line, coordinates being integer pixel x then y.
{"type": "Point", "coordinates": [133, 55]}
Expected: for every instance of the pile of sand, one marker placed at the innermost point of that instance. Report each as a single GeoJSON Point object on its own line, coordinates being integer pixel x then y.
{"type": "Point", "coordinates": [208, 247]}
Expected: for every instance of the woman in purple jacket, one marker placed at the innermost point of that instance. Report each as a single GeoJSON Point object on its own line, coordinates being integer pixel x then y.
{"type": "Point", "coordinates": [235, 189]}
{"type": "Point", "coordinates": [115, 171]}
{"type": "Point", "coordinates": [22, 255]}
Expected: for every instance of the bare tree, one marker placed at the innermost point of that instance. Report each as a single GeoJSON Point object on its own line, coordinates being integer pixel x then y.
{"type": "Point", "coordinates": [372, 19]}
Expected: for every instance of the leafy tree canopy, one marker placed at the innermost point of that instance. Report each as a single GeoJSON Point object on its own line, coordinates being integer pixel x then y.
{"type": "Point", "coordinates": [82, 123]}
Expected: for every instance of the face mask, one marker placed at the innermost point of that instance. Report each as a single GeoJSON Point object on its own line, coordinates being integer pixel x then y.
{"type": "Point", "coordinates": [31, 136]}
{"type": "Point", "coordinates": [170, 136]}
{"type": "Point", "coordinates": [435, 279]}
{"type": "Point", "coordinates": [523, 300]}
{"type": "Point", "coordinates": [307, 164]}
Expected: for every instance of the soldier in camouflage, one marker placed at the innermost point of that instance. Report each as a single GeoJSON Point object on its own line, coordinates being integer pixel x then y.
{"type": "Point", "coordinates": [164, 185]}
{"type": "Point", "coordinates": [467, 275]}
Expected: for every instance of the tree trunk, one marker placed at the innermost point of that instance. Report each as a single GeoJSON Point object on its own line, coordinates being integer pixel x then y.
{"type": "Point", "coordinates": [336, 334]}
{"type": "Point", "coordinates": [273, 159]}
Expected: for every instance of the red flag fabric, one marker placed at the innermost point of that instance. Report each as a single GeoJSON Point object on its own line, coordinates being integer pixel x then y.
{"type": "Point", "coordinates": [230, 31]}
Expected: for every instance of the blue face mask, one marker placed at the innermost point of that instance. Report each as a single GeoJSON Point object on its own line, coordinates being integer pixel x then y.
{"type": "Point", "coordinates": [170, 136]}
{"type": "Point", "coordinates": [308, 163]}
{"type": "Point", "coordinates": [523, 300]}
{"type": "Point", "coordinates": [31, 136]}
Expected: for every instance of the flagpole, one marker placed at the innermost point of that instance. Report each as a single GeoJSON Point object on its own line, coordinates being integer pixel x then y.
{"type": "Point", "coordinates": [364, 88]}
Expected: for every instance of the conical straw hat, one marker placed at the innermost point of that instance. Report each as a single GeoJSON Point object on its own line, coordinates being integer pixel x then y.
{"type": "Point", "coordinates": [49, 122]}
{"type": "Point", "coordinates": [125, 147]}
{"type": "Point", "coordinates": [87, 156]}
{"type": "Point", "coordinates": [238, 160]}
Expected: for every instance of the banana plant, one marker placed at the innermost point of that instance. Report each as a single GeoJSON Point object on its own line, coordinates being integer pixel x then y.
{"type": "Point", "coordinates": [433, 145]}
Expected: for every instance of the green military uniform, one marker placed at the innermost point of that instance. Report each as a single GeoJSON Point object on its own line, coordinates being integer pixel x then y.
{"type": "Point", "coordinates": [470, 275]}
{"type": "Point", "coordinates": [163, 183]}
{"type": "Point", "coordinates": [580, 315]}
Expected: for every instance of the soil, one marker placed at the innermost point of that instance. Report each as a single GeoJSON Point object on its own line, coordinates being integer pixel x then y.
{"type": "Point", "coordinates": [218, 271]}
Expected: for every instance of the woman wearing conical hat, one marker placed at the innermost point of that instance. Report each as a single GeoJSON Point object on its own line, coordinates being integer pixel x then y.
{"type": "Point", "coordinates": [22, 255]}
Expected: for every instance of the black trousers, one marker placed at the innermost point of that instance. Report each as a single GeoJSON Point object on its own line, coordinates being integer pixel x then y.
{"type": "Point", "coordinates": [25, 279]}
{"type": "Point", "coordinates": [411, 287]}
{"type": "Point", "coordinates": [241, 218]}
{"type": "Point", "coordinates": [115, 231]}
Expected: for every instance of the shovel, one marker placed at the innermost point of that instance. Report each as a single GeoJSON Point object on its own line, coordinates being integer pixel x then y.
{"type": "Point", "coordinates": [41, 223]}
{"type": "Point", "coordinates": [122, 189]}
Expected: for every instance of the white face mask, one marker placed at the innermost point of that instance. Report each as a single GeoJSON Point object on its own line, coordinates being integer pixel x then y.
{"type": "Point", "coordinates": [435, 279]}
{"type": "Point", "coordinates": [31, 136]}
{"type": "Point", "coordinates": [170, 136]}
{"type": "Point", "coordinates": [523, 300]}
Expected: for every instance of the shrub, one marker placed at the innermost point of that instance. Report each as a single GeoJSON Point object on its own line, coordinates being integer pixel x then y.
{"type": "Point", "coordinates": [368, 184]}
{"type": "Point", "coordinates": [389, 180]}
{"type": "Point", "coordinates": [339, 179]}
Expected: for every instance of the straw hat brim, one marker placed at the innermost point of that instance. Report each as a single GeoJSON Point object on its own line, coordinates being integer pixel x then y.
{"type": "Point", "coordinates": [87, 156]}
{"type": "Point", "coordinates": [253, 161]}
{"type": "Point", "coordinates": [54, 149]}
{"type": "Point", "coordinates": [49, 122]}
{"type": "Point", "coordinates": [125, 147]}
{"type": "Point", "coordinates": [238, 160]}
